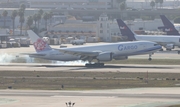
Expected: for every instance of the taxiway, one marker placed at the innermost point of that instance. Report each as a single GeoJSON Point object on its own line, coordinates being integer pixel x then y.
{"type": "Point", "coordinates": [138, 97]}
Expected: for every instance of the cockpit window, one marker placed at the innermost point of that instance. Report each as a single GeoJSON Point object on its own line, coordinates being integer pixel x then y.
{"type": "Point", "coordinates": [156, 44]}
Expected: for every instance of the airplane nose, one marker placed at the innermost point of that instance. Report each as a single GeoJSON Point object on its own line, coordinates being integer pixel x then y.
{"type": "Point", "coordinates": [159, 46]}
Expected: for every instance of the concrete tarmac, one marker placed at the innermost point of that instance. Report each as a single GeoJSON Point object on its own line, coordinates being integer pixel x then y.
{"type": "Point", "coordinates": [81, 68]}
{"type": "Point", "coordinates": [137, 97]}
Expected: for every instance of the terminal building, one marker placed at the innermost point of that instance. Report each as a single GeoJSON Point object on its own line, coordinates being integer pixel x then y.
{"type": "Point", "coordinates": [104, 29]}
{"type": "Point", "coordinates": [84, 4]}
{"type": "Point", "coordinates": [69, 4]}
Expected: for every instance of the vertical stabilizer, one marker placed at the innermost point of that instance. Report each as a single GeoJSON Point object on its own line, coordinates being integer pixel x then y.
{"type": "Point", "coordinates": [125, 31]}
{"type": "Point", "coordinates": [39, 44]}
{"type": "Point", "coordinates": [168, 26]}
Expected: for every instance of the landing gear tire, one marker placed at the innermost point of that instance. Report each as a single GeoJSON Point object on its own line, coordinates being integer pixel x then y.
{"type": "Point", "coordinates": [95, 65]}
{"type": "Point", "coordinates": [150, 57]}
{"type": "Point", "coordinates": [161, 50]}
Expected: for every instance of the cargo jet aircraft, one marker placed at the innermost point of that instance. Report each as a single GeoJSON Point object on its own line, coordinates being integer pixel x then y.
{"type": "Point", "coordinates": [100, 52]}
{"type": "Point", "coordinates": [169, 42]}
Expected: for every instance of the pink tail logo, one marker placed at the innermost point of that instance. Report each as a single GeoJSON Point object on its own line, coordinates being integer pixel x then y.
{"type": "Point", "coordinates": [39, 44]}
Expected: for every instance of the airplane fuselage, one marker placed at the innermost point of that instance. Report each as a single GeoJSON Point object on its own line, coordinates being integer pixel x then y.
{"type": "Point", "coordinates": [118, 50]}
{"type": "Point", "coordinates": [161, 39]}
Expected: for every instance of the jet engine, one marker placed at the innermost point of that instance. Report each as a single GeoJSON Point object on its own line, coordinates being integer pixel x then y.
{"type": "Point", "coordinates": [121, 58]}
{"type": "Point", "coordinates": [169, 46]}
{"type": "Point", "coordinates": [105, 56]}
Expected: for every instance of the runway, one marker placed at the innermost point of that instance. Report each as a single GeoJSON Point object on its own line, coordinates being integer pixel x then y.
{"type": "Point", "coordinates": [138, 97]}
{"type": "Point", "coordinates": [81, 68]}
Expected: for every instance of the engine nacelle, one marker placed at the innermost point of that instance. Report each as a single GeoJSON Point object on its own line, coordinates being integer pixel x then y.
{"type": "Point", "coordinates": [105, 56]}
{"type": "Point", "coordinates": [169, 46]}
{"type": "Point", "coordinates": [121, 58]}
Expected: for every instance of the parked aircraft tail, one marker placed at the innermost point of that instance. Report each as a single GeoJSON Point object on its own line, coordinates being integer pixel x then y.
{"type": "Point", "coordinates": [39, 44]}
{"type": "Point", "coordinates": [125, 31]}
{"type": "Point", "coordinates": [168, 26]}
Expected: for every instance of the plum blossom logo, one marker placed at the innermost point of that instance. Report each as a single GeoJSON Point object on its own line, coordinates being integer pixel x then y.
{"type": "Point", "coordinates": [39, 44]}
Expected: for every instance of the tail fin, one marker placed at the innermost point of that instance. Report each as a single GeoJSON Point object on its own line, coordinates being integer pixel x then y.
{"type": "Point", "coordinates": [168, 26]}
{"type": "Point", "coordinates": [125, 31]}
{"type": "Point", "coordinates": [39, 44]}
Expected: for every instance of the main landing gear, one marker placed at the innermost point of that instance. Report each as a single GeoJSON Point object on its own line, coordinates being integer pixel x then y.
{"type": "Point", "coordinates": [95, 65]}
{"type": "Point", "coordinates": [98, 64]}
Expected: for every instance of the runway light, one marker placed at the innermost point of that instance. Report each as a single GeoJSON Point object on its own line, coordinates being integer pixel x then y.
{"type": "Point", "coordinates": [69, 104]}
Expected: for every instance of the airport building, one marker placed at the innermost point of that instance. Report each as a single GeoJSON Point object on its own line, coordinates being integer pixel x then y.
{"type": "Point", "coordinates": [104, 29]}
{"type": "Point", "coordinates": [69, 4]}
{"type": "Point", "coordinates": [84, 4]}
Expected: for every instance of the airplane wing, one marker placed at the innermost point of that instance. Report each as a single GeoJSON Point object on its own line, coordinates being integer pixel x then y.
{"type": "Point", "coordinates": [83, 55]}
{"type": "Point", "coordinates": [79, 52]}
{"type": "Point", "coordinates": [33, 54]}
{"type": "Point", "coordinates": [165, 43]}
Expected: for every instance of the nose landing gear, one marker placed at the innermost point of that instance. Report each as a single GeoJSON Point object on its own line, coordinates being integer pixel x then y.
{"type": "Point", "coordinates": [150, 57]}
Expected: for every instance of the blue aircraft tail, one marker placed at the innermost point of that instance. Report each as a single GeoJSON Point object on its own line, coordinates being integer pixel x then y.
{"type": "Point", "coordinates": [168, 26]}
{"type": "Point", "coordinates": [125, 31]}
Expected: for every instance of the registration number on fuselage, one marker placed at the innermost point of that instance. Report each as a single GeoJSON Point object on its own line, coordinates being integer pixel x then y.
{"type": "Point", "coordinates": [125, 47]}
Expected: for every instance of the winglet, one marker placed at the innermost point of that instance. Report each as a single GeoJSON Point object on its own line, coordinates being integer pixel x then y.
{"type": "Point", "coordinates": [39, 44]}
{"type": "Point", "coordinates": [125, 31]}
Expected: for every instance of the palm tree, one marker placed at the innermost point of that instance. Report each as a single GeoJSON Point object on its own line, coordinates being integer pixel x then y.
{"type": "Point", "coordinates": [13, 16]}
{"type": "Point", "coordinates": [40, 12]}
{"type": "Point", "coordinates": [46, 17]}
{"type": "Point", "coordinates": [161, 3]}
{"type": "Point", "coordinates": [35, 18]}
{"type": "Point", "coordinates": [122, 7]}
{"type": "Point", "coordinates": [39, 16]}
{"type": "Point", "coordinates": [38, 19]}
{"type": "Point", "coordinates": [50, 14]}
{"type": "Point", "coordinates": [5, 13]}
{"type": "Point", "coordinates": [23, 7]}
{"type": "Point", "coordinates": [156, 2]}
{"type": "Point", "coordinates": [120, 1]}
{"type": "Point", "coordinates": [21, 20]}
{"type": "Point", "coordinates": [29, 21]}
{"type": "Point", "coordinates": [152, 4]}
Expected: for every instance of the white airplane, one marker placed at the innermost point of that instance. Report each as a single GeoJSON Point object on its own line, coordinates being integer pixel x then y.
{"type": "Point", "coordinates": [169, 42]}
{"type": "Point", "coordinates": [100, 52]}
